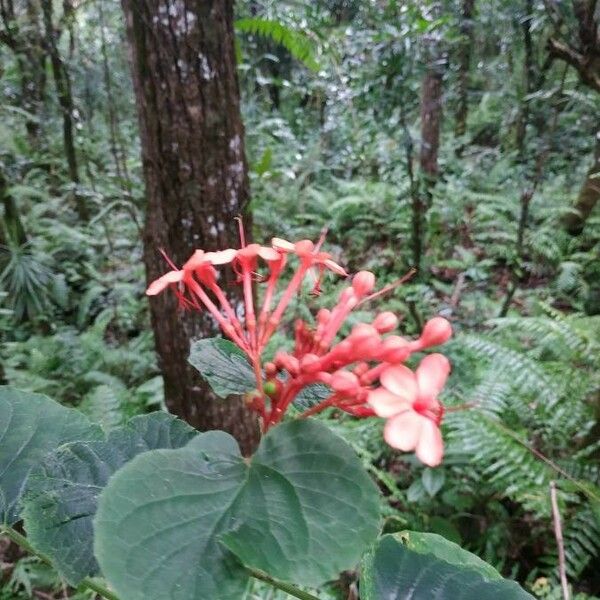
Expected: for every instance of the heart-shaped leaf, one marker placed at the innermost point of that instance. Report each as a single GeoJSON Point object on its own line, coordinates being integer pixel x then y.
{"type": "Point", "coordinates": [223, 365]}
{"type": "Point", "coordinates": [426, 566]}
{"type": "Point", "coordinates": [31, 426]}
{"type": "Point", "coordinates": [180, 523]}
{"type": "Point", "coordinates": [62, 492]}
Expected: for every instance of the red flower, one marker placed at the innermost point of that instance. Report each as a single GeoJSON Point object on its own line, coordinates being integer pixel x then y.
{"type": "Point", "coordinates": [409, 401]}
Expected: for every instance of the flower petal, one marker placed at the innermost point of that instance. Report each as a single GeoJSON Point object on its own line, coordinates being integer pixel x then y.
{"type": "Point", "coordinates": [221, 257]}
{"type": "Point", "coordinates": [268, 254]}
{"type": "Point", "coordinates": [431, 376]}
{"type": "Point", "coordinates": [386, 404]}
{"type": "Point", "coordinates": [430, 448]}
{"type": "Point", "coordinates": [401, 381]}
{"type": "Point", "coordinates": [404, 430]}
{"type": "Point", "coordinates": [196, 260]}
{"type": "Point", "coordinates": [284, 245]}
{"type": "Point", "coordinates": [333, 266]}
{"type": "Point", "coordinates": [158, 285]}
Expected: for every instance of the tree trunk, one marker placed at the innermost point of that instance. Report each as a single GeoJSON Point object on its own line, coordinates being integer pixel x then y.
{"type": "Point", "coordinates": [431, 120]}
{"type": "Point", "coordinates": [528, 79]}
{"type": "Point", "coordinates": [195, 170]}
{"type": "Point", "coordinates": [588, 196]}
{"type": "Point", "coordinates": [464, 65]}
{"type": "Point", "coordinates": [62, 82]}
{"type": "Point", "coordinates": [13, 231]}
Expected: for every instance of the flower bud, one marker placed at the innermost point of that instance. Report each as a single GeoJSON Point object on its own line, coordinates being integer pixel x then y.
{"type": "Point", "coordinates": [270, 369]}
{"type": "Point", "coordinates": [323, 316]}
{"type": "Point", "coordinates": [288, 362]}
{"type": "Point", "coordinates": [363, 283]}
{"type": "Point", "coordinates": [310, 363]}
{"type": "Point", "coordinates": [344, 382]}
{"type": "Point", "coordinates": [395, 349]}
{"type": "Point", "coordinates": [436, 331]}
{"type": "Point", "coordinates": [270, 387]}
{"type": "Point", "coordinates": [385, 322]}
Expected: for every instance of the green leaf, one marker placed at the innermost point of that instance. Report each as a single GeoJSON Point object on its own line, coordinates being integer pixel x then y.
{"type": "Point", "coordinates": [62, 492]}
{"type": "Point", "coordinates": [433, 480]}
{"type": "Point", "coordinates": [311, 395]}
{"type": "Point", "coordinates": [415, 566]}
{"type": "Point", "coordinates": [178, 523]}
{"type": "Point", "coordinates": [223, 365]}
{"type": "Point", "coordinates": [296, 42]}
{"type": "Point", "coordinates": [31, 426]}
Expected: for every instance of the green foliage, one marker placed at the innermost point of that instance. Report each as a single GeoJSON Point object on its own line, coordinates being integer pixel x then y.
{"type": "Point", "coordinates": [32, 426]}
{"type": "Point", "coordinates": [432, 567]}
{"type": "Point", "coordinates": [206, 496]}
{"type": "Point", "coordinates": [296, 42]}
{"type": "Point", "coordinates": [62, 491]}
{"type": "Point", "coordinates": [224, 366]}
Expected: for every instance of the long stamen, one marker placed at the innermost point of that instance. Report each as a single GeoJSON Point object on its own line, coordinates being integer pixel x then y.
{"type": "Point", "coordinates": [169, 261]}
{"type": "Point", "coordinates": [241, 231]}
{"type": "Point", "coordinates": [216, 313]}
{"type": "Point", "coordinates": [289, 292]}
{"type": "Point", "coordinates": [389, 288]}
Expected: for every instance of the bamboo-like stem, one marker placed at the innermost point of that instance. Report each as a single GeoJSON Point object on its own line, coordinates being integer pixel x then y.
{"type": "Point", "coordinates": [288, 588]}
{"type": "Point", "coordinates": [23, 542]}
{"type": "Point", "coordinates": [562, 568]}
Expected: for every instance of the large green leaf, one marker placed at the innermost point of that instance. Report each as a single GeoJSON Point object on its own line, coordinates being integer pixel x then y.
{"type": "Point", "coordinates": [61, 496]}
{"type": "Point", "coordinates": [31, 426]}
{"type": "Point", "coordinates": [178, 523]}
{"type": "Point", "coordinates": [223, 365]}
{"type": "Point", "coordinates": [426, 566]}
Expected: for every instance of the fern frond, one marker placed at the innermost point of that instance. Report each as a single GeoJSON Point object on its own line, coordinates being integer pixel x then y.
{"type": "Point", "coordinates": [296, 42]}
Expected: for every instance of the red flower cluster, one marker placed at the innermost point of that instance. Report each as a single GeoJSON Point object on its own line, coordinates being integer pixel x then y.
{"type": "Point", "coordinates": [365, 370]}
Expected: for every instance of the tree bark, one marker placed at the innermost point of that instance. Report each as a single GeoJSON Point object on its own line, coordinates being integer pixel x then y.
{"type": "Point", "coordinates": [62, 82]}
{"type": "Point", "coordinates": [184, 73]}
{"type": "Point", "coordinates": [588, 197]}
{"type": "Point", "coordinates": [431, 121]}
{"type": "Point", "coordinates": [464, 65]}
{"type": "Point", "coordinates": [528, 79]}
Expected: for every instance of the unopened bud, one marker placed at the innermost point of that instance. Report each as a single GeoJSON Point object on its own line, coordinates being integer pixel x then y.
{"type": "Point", "coordinates": [385, 322]}
{"type": "Point", "coordinates": [270, 388]}
{"type": "Point", "coordinates": [323, 316]}
{"type": "Point", "coordinates": [436, 331]}
{"type": "Point", "coordinates": [288, 362]}
{"type": "Point", "coordinates": [270, 369]}
{"type": "Point", "coordinates": [310, 363]}
{"type": "Point", "coordinates": [395, 349]}
{"type": "Point", "coordinates": [344, 382]}
{"type": "Point", "coordinates": [363, 283]}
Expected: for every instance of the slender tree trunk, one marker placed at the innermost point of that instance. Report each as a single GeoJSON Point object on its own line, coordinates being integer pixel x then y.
{"type": "Point", "coordinates": [528, 79]}
{"type": "Point", "coordinates": [588, 197]}
{"type": "Point", "coordinates": [13, 231]}
{"type": "Point", "coordinates": [65, 99]}
{"type": "Point", "coordinates": [431, 120]}
{"type": "Point", "coordinates": [464, 65]}
{"type": "Point", "coordinates": [113, 120]}
{"type": "Point", "coordinates": [195, 171]}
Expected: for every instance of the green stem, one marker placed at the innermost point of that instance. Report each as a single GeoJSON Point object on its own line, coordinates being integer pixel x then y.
{"type": "Point", "coordinates": [290, 589]}
{"type": "Point", "coordinates": [23, 542]}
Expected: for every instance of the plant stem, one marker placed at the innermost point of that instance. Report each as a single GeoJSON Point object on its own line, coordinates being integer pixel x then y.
{"type": "Point", "coordinates": [288, 588]}
{"type": "Point", "coordinates": [562, 569]}
{"type": "Point", "coordinates": [23, 542]}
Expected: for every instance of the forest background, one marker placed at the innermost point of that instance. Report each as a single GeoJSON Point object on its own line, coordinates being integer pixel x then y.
{"type": "Point", "coordinates": [458, 138]}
